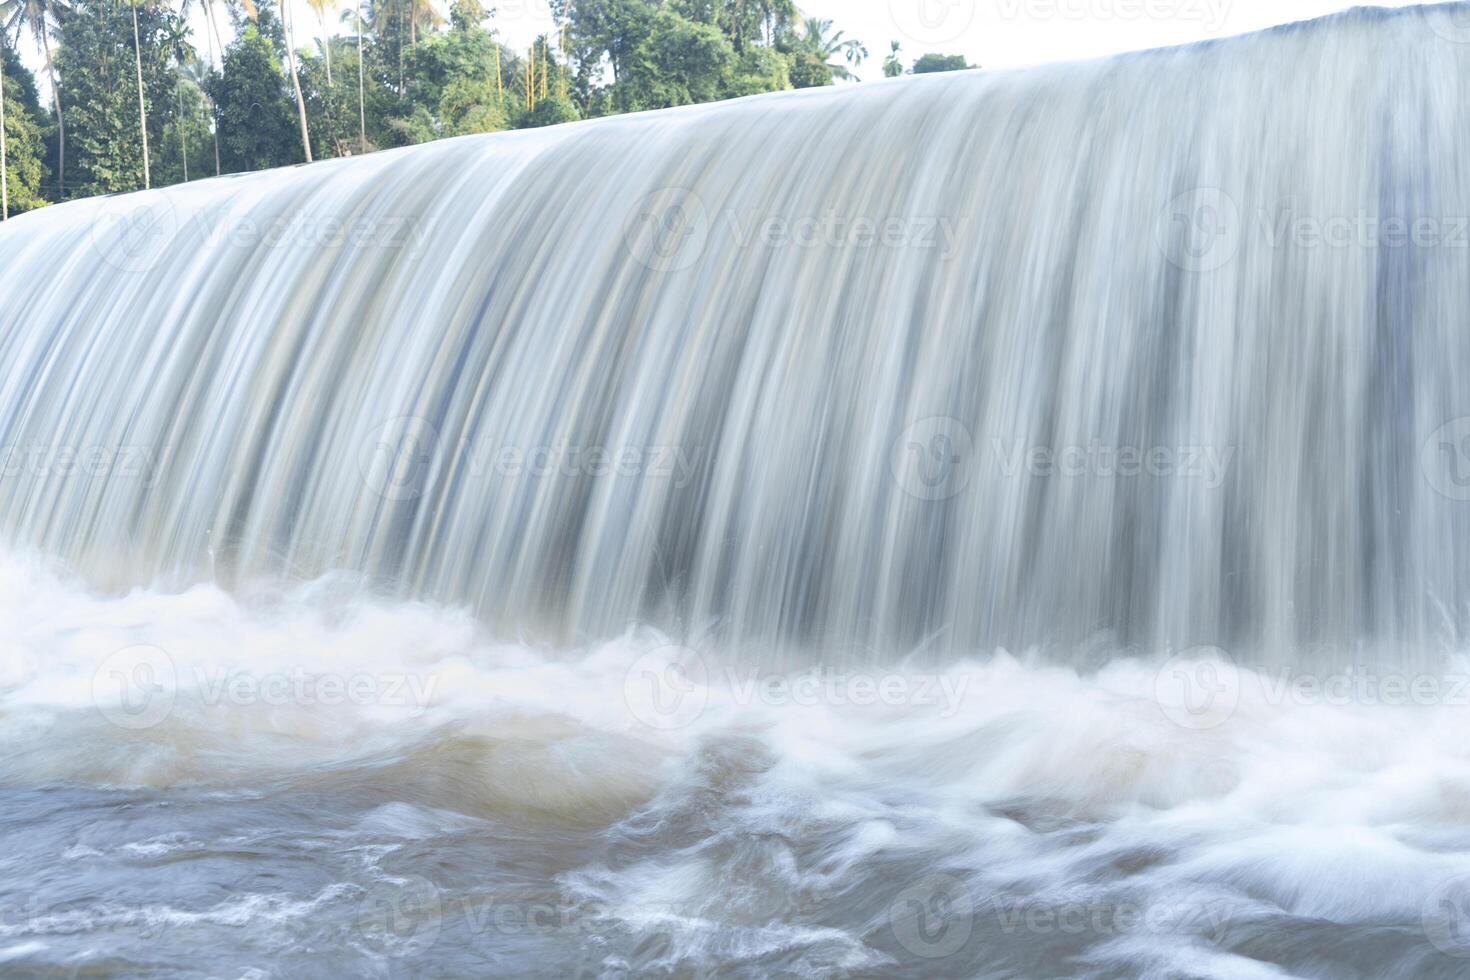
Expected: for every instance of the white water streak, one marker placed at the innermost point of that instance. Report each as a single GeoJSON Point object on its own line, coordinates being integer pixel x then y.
{"type": "Point", "coordinates": [741, 366]}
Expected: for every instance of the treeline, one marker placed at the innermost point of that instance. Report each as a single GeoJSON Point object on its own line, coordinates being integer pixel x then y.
{"type": "Point", "coordinates": [134, 100]}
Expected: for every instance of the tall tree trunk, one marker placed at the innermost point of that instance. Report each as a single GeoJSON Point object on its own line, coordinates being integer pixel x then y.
{"type": "Point", "coordinates": [4, 178]}
{"type": "Point", "coordinates": [142, 110]}
{"type": "Point", "coordinates": [361, 103]}
{"type": "Point", "coordinates": [326, 45]}
{"type": "Point", "coordinates": [45, 40]}
{"type": "Point", "coordinates": [183, 144]}
{"type": "Point", "coordinates": [213, 112]}
{"type": "Point", "coordinates": [216, 41]}
{"type": "Point", "coordinates": [296, 81]}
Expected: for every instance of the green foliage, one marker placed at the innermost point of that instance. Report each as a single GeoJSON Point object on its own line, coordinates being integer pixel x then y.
{"type": "Point", "coordinates": [423, 77]}
{"type": "Point", "coordinates": [809, 71]}
{"type": "Point", "coordinates": [893, 64]}
{"type": "Point", "coordinates": [680, 62]}
{"type": "Point", "coordinates": [465, 14]}
{"type": "Point", "coordinates": [759, 70]}
{"type": "Point", "coordinates": [440, 59]}
{"type": "Point", "coordinates": [100, 95]}
{"type": "Point", "coordinates": [332, 109]}
{"type": "Point", "coordinates": [407, 125]}
{"type": "Point", "coordinates": [817, 45]}
{"type": "Point", "coordinates": [187, 144]}
{"type": "Point", "coordinates": [471, 105]}
{"type": "Point", "coordinates": [931, 63]}
{"type": "Point", "coordinates": [253, 109]}
{"type": "Point", "coordinates": [551, 111]}
{"type": "Point", "coordinates": [26, 127]}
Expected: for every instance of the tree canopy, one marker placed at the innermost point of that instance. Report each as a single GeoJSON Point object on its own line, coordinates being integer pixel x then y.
{"type": "Point", "coordinates": [387, 73]}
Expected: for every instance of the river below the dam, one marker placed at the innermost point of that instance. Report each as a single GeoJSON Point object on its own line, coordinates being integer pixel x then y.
{"type": "Point", "coordinates": [304, 783]}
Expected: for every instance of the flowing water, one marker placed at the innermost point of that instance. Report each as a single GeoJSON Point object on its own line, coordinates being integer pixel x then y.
{"type": "Point", "coordinates": [1002, 524]}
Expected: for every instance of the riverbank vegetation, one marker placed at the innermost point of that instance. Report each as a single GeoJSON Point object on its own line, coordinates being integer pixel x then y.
{"type": "Point", "coordinates": [131, 95]}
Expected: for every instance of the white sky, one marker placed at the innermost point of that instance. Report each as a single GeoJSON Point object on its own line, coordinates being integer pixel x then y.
{"type": "Point", "coordinates": [1012, 33]}
{"type": "Point", "coordinates": [992, 33]}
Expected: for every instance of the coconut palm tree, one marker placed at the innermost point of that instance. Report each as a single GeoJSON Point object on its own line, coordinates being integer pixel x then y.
{"type": "Point", "coordinates": [186, 60]}
{"type": "Point", "coordinates": [197, 74]}
{"type": "Point", "coordinates": [361, 99]}
{"type": "Point", "coordinates": [214, 41]}
{"type": "Point", "coordinates": [777, 16]}
{"type": "Point", "coordinates": [409, 16]}
{"type": "Point", "coordinates": [827, 47]}
{"type": "Point", "coordinates": [142, 106]}
{"type": "Point", "coordinates": [40, 17]}
{"type": "Point", "coordinates": [320, 8]}
{"type": "Point", "coordinates": [893, 64]}
{"type": "Point", "coordinates": [286, 21]}
{"type": "Point", "coordinates": [356, 13]}
{"type": "Point", "coordinates": [4, 179]}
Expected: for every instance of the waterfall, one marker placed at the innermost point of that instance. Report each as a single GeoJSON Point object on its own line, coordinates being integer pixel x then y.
{"type": "Point", "coordinates": [1155, 351]}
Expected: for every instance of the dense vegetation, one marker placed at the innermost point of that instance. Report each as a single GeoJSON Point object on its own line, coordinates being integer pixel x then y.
{"type": "Point", "coordinates": [131, 98]}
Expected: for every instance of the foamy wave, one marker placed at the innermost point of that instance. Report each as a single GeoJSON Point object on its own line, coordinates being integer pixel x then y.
{"type": "Point", "coordinates": [751, 817]}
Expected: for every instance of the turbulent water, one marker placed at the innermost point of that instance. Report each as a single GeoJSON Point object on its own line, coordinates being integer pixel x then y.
{"type": "Point", "coordinates": [1002, 524]}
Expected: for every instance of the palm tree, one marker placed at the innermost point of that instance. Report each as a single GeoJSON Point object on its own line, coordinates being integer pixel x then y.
{"type": "Point", "coordinates": [827, 48]}
{"type": "Point", "coordinates": [361, 100]}
{"type": "Point", "coordinates": [39, 16]}
{"type": "Point", "coordinates": [295, 79]}
{"type": "Point", "coordinates": [777, 16]}
{"type": "Point", "coordinates": [893, 64]}
{"type": "Point", "coordinates": [4, 179]}
{"type": "Point", "coordinates": [196, 74]}
{"type": "Point", "coordinates": [142, 108]}
{"type": "Point", "coordinates": [319, 7]}
{"type": "Point", "coordinates": [356, 14]}
{"type": "Point", "coordinates": [176, 42]}
{"type": "Point", "coordinates": [212, 37]}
